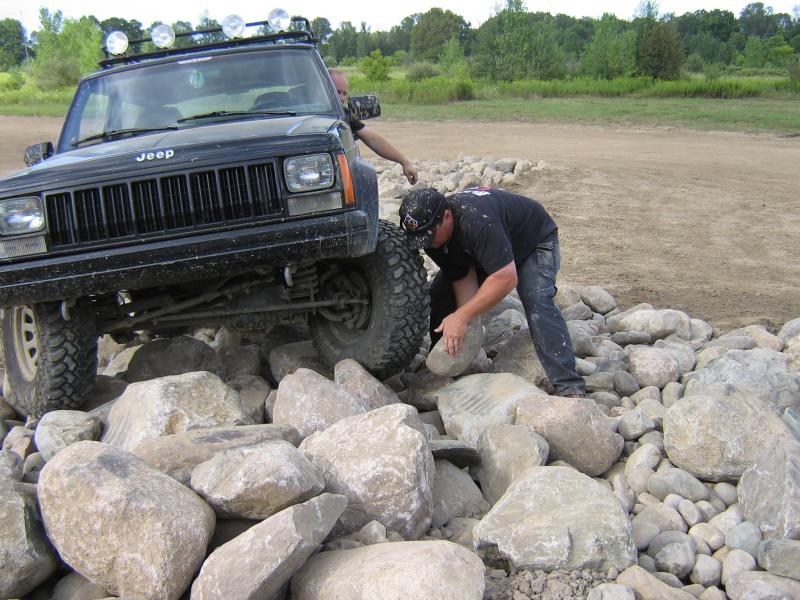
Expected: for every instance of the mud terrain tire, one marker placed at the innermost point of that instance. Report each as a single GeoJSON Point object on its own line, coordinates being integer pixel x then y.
{"type": "Point", "coordinates": [51, 362]}
{"type": "Point", "coordinates": [385, 333]}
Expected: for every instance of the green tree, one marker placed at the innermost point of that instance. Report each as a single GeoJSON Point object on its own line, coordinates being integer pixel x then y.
{"type": "Point", "coordinates": [65, 49]}
{"type": "Point", "coordinates": [400, 35]}
{"type": "Point", "coordinates": [12, 43]}
{"type": "Point", "coordinates": [433, 30]}
{"type": "Point", "coordinates": [183, 41]}
{"type": "Point", "coordinates": [452, 61]}
{"type": "Point", "coordinates": [365, 43]}
{"type": "Point", "coordinates": [133, 29]}
{"type": "Point", "coordinates": [204, 24]}
{"type": "Point", "coordinates": [611, 51]}
{"type": "Point", "coordinates": [321, 28]}
{"type": "Point", "coordinates": [375, 66]}
{"type": "Point", "coordinates": [661, 52]}
{"type": "Point", "coordinates": [343, 41]}
{"type": "Point", "coordinates": [757, 20]}
{"type": "Point", "coordinates": [755, 53]}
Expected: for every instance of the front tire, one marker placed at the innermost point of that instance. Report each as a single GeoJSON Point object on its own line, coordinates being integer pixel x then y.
{"type": "Point", "coordinates": [51, 362]}
{"type": "Point", "coordinates": [386, 331]}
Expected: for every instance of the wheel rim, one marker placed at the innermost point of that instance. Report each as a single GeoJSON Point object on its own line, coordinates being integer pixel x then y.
{"type": "Point", "coordinates": [26, 341]}
{"type": "Point", "coordinates": [351, 320]}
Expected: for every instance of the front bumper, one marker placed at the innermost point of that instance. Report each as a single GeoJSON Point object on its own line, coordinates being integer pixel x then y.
{"type": "Point", "coordinates": [164, 262]}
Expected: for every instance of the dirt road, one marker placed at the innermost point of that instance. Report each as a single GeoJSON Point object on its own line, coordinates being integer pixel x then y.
{"type": "Point", "coordinates": [708, 223]}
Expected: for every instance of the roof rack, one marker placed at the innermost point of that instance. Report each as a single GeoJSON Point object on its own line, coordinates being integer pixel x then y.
{"type": "Point", "coordinates": [300, 33]}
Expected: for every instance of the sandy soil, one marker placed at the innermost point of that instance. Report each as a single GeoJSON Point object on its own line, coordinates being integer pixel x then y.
{"type": "Point", "coordinates": [708, 223]}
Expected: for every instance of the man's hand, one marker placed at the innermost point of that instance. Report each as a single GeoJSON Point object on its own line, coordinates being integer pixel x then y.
{"type": "Point", "coordinates": [410, 171]}
{"type": "Point", "coordinates": [453, 329]}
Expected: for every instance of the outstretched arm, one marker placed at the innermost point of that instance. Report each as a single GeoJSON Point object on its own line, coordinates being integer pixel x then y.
{"type": "Point", "coordinates": [476, 301]}
{"type": "Point", "coordinates": [381, 146]}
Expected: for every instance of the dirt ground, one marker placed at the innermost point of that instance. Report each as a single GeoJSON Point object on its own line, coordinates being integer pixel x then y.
{"type": "Point", "coordinates": [708, 223]}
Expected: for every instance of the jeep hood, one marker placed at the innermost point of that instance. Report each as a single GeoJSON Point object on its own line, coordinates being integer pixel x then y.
{"type": "Point", "coordinates": [204, 145]}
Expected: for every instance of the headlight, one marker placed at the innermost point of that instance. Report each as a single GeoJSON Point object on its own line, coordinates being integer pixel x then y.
{"type": "Point", "coordinates": [116, 42]}
{"type": "Point", "coordinates": [307, 173]}
{"type": "Point", "coordinates": [21, 215]}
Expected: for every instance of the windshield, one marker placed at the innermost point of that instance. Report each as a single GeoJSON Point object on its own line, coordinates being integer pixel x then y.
{"type": "Point", "coordinates": [162, 96]}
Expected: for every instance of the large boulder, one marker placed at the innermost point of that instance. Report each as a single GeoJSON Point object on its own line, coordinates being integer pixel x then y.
{"type": "Point", "coordinates": [60, 428]}
{"type": "Point", "coordinates": [767, 371]}
{"type": "Point", "coordinates": [255, 482]}
{"type": "Point", "coordinates": [158, 407]}
{"type": "Point", "coordinates": [657, 324]}
{"type": "Point", "coordinates": [455, 494]}
{"type": "Point", "coordinates": [175, 356]}
{"type": "Point", "coordinates": [754, 584]}
{"type": "Point", "coordinates": [310, 402]}
{"type": "Point", "coordinates": [575, 429]}
{"type": "Point", "coordinates": [381, 461]}
{"type": "Point", "coordinates": [649, 587]}
{"type": "Point", "coordinates": [431, 570]}
{"type": "Point", "coordinates": [769, 491]}
{"type": "Point", "coordinates": [122, 524]}
{"type": "Point", "coordinates": [505, 452]}
{"type": "Point", "coordinates": [653, 366]}
{"type": "Point", "coordinates": [260, 562]}
{"type": "Point", "coordinates": [178, 454]}
{"type": "Point", "coordinates": [557, 518]}
{"type": "Point", "coordinates": [473, 403]}
{"type": "Point", "coordinates": [718, 433]}
{"type": "Point", "coordinates": [354, 378]}
{"type": "Point", "coordinates": [517, 355]}
{"type": "Point", "coordinates": [25, 554]}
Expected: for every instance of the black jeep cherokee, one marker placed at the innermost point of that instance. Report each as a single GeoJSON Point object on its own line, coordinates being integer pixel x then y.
{"type": "Point", "coordinates": [209, 185]}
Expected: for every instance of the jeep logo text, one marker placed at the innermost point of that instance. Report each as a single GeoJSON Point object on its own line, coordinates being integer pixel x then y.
{"type": "Point", "coordinates": [165, 154]}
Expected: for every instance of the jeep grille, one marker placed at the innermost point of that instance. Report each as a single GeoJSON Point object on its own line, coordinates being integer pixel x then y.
{"type": "Point", "coordinates": [163, 205]}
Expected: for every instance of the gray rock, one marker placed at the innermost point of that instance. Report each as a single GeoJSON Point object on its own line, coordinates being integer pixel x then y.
{"type": "Point", "coordinates": [32, 466]}
{"type": "Point", "coordinates": [584, 367]}
{"type": "Point", "coordinates": [653, 366]}
{"type": "Point", "coordinates": [455, 495]}
{"type": "Point", "coordinates": [701, 332]}
{"type": "Point", "coordinates": [707, 571]}
{"type": "Point", "coordinates": [672, 392]}
{"type": "Point", "coordinates": [253, 392]}
{"type": "Point", "coordinates": [656, 438]}
{"type": "Point", "coordinates": [598, 299]}
{"type": "Point", "coordinates": [518, 356]}
{"type": "Point", "coordinates": [646, 455]}
{"type": "Point", "coordinates": [175, 356]}
{"type": "Point", "coordinates": [764, 339]}
{"type": "Point", "coordinates": [354, 378]}
{"type": "Point", "coordinates": [158, 407]}
{"type": "Point", "coordinates": [767, 371]}
{"type": "Point", "coordinates": [26, 556]}
{"type": "Point", "coordinates": [286, 359]}
{"type": "Point", "coordinates": [582, 344]}
{"type": "Point", "coordinates": [649, 587]}
{"type": "Point", "coordinates": [677, 559]}
{"type": "Point", "coordinates": [441, 363]}
{"type": "Point", "coordinates": [11, 465]}
{"type": "Point", "coordinates": [262, 560]}
{"type": "Point", "coordinates": [60, 428]}
{"type": "Point", "coordinates": [662, 540]}
{"type": "Point", "coordinates": [626, 338]}
{"type": "Point", "coordinates": [635, 423]}
{"type": "Point", "coordinates": [728, 519]}
{"type": "Point", "coordinates": [643, 534]}
{"type": "Point", "coordinates": [736, 562]}
{"type": "Point", "coordinates": [577, 312]}
{"type": "Point", "coordinates": [769, 491]}
{"type": "Point", "coordinates": [473, 403]}
{"type": "Point", "coordinates": [239, 361]}
{"type": "Point", "coordinates": [753, 585]}
{"type": "Point", "coordinates": [713, 593]}
{"type": "Point", "coordinates": [780, 557]}
{"type": "Point", "coordinates": [501, 327]}
{"type": "Point", "coordinates": [726, 492]}
{"type": "Point", "coordinates": [557, 518]}
{"type": "Point", "coordinates": [600, 382]}
{"type": "Point", "coordinates": [121, 523]}
{"type": "Point", "coordinates": [255, 482]}
{"type": "Point", "coordinates": [732, 342]}
{"type": "Point", "coordinates": [657, 323]}
{"type": "Point", "coordinates": [744, 536]}
{"type": "Point", "coordinates": [454, 451]}
{"type": "Point", "coordinates": [310, 402]}
{"type": "Point", "coordinates": [663, 517]}
{"type": "Point", "coordinates": [566, 424]}
{"type": "Point", "coordinates": [439, 570]}
{"type": "Point", "coordinates": [792, 419]}
{"type": "Point", "coordinates": [625, 384]}
{"type": "Point", "coordinates": [717, 434]}
{"type": "Point", "coordinates": [423, 391]}
{"type": "Point", "coordinates": [676, 481]}
{"type": "Point", "coordinates": [611, 591]}
{"type": "Point", "coordinates": [681, 350]}
{"type": "Point", "coordinates": [505, 452]}
{"type": "Point", "coordinates": [690, 512]}
{"type": "Point", "coordinates": [379, 460]}
{"type": "Point", "coordinates": [177, 455]}
{"type": "Point", "coordinates": [790, 332]}
{"type": "Point", "coordinates": [567, 295]}
{"type": "Point", "coordinates": [76, 587]}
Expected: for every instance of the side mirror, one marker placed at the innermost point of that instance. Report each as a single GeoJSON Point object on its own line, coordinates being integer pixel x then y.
{"type": "Point", "coordinates": [38, 152]}
{"type": "Point", "coordinates": [365, 107]}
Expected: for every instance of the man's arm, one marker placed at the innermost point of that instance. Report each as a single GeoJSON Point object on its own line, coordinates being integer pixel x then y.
{"type": "Point", "coordinates": [381, 146]}
{"type": "Point", "coordinates": [473, 301]}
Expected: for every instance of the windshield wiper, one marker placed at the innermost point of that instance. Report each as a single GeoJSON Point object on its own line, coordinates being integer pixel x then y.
{"type": "Point", "coordinates": [107, 135]}
{"type": "Point", "coordinates": [238, 113]}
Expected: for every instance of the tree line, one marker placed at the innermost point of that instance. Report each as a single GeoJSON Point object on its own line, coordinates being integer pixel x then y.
{"type": "Point", "coordinates": [513, 44]}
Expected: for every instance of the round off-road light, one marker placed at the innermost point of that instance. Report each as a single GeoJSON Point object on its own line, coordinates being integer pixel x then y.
{"type": "Point", "coordinates": [163, 36]}
{"type": "Point", "coordinates": [116, 42]}
{"type": "Point", "coordinates": [233, 26]}
{"type": "Point", "coordinates": [278, 20]}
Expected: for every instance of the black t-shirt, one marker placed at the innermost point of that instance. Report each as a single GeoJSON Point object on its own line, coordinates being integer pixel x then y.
{"type": "Point", "coordinates": [492, 228]}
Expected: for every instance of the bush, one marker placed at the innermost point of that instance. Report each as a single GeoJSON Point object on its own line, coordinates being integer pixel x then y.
{"type": "Point", "coordinates": [712, 72]}
{"type": "Point", "coordinates": [793, 69]}
{"type": "Point", "coordinates": [330, 61]}
{"type": "Point", "coordinates": [435, 90]}
{"type": "Point", "coordinates": [421, 71]}
{"type": "Point", "coordinates": [375, 66]}
{"type": "Point", "coordinates": [694, 63]}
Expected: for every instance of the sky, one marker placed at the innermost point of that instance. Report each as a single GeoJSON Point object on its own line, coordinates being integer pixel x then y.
{"type": "Point", "coordinates": [377, 15]}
